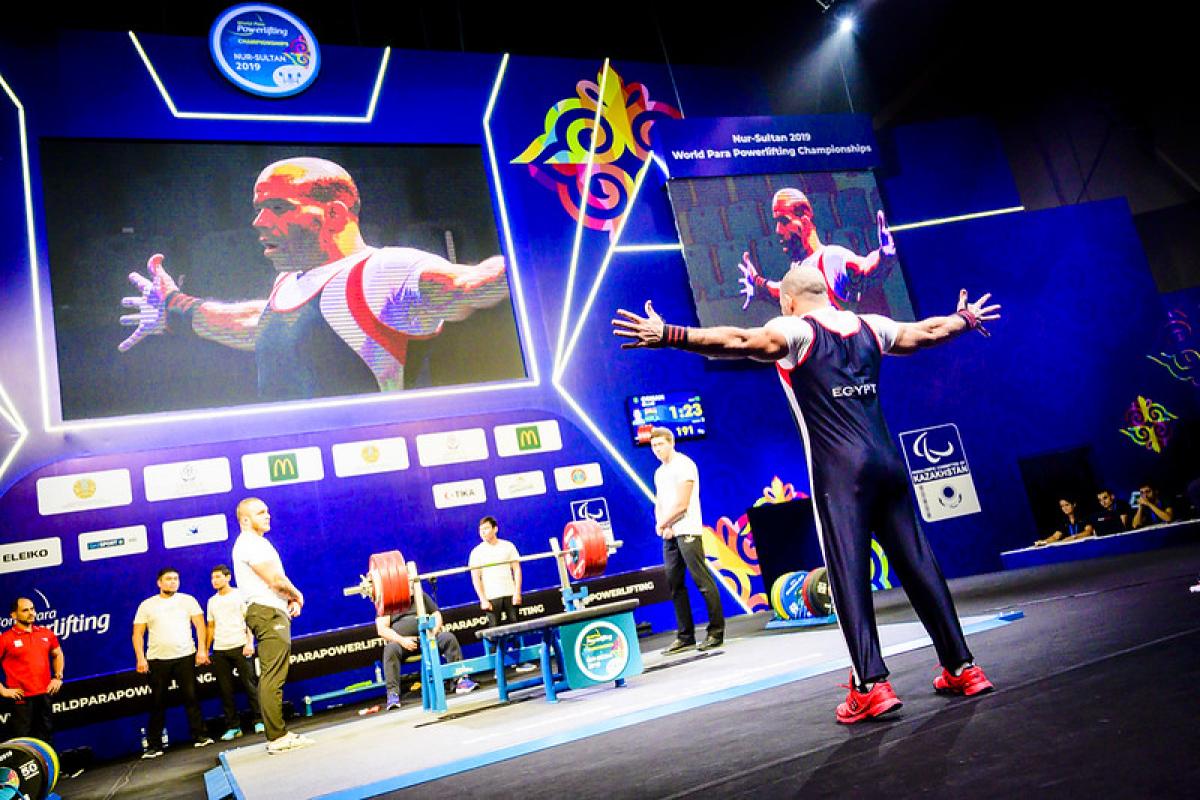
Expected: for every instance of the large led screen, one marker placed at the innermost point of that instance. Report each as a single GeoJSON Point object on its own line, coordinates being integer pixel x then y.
{"type": "Point", "coordinates": [197, 275]}
{"type": "Point", "coordinates": [741, 234]}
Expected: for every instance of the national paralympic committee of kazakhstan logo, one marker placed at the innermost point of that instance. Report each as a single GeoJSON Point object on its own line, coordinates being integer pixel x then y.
{"type": "Point", "coordinates": [369, 453]}
{"type": "Point", "coordinates": [282, 467]}
{"type": "Point", "coordinates": [84, 488]}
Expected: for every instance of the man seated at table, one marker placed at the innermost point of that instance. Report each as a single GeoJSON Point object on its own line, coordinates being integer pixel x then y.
{"type": "Point", "coordinates": [1113, 516]}
{"type": "Point", "coordinates": [399, 633]}
{"type": "Point", "coordinates": [1151, 508]}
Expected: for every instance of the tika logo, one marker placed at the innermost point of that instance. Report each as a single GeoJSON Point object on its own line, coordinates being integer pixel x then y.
{"type": "Point", "coordinates": [528, 438]}
{"type": "Point", "coordinates": [370, 453]}
{"type": "Point", "coordinates": [282, 467]}
{"type": "Point", "coordinates": [84, 488]}
{"type": "Point", "coordinates": [854, 391]}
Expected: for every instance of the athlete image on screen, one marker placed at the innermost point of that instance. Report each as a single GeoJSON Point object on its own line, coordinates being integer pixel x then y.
{"type": "Point", "coordinates": [846, 273]}
{"type": "Point", "coordinates": [339, 316]}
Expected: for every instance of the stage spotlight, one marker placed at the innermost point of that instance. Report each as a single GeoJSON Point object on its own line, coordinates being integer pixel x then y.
{"type": "Point", "coordinates": [846, 26]}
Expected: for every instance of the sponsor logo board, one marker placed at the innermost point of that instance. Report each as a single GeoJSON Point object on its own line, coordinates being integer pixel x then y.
{"type": "Point", "coordinates": [113, 543]}
{"type": "Point", "coordinates": [195, 530]}
{"type": "Point", "coordinates": [84, 491]}
{"type": "Point", "coordinates": [33, 554]}
{"type": "Point", "coordinates": [520, 484]}
{"type": "Point", "coordinates": [459, 493]}
{"type": "Point", "coordinates": [187, 479]}
{"type": "Point", "coordinates": [528, 437]}
{"type": "Point", "coordinates": [281, 467]}
{"type": "Point", "coordinates": [370, 457]}
{"type": "Point", "coordinates": [452, 447]}
{"type": "Point", "coordinates": [578, 476]}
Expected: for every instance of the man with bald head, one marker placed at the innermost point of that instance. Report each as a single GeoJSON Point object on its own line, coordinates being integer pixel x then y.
{"type": "Point", "coordinates": [845, 274]}
{"type": "Point", "coordinates": [341, 312]}
{"type": "Point", "coordinates": [828, 361]}
{"type": "Point", "coordinates": [272, 601]}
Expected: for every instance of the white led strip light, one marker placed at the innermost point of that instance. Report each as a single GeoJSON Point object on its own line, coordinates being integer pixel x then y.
{"type": "Point", "coordinates": [175, 112]}
{"type": "Point", "coordinates": [583, 210]}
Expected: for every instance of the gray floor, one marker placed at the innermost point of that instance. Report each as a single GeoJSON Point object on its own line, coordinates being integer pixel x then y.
{"type": "Point", "coordinates": [1096, 695]}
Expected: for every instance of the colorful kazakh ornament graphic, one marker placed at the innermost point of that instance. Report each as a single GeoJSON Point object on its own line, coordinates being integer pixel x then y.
{"type": "Point", "coordinates": [1149, 424]}
{"type": "Point", "coordinates": [558, 158]}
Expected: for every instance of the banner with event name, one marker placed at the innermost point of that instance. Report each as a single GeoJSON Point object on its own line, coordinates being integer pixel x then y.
{"type": "Point", "coordinates": [699, 147]}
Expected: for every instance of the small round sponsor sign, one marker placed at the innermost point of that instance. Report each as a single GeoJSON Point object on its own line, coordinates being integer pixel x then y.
{"type": "Point", "coordinates": [602, 651]}
{"type": "Point", "coordinates": [264, 49]}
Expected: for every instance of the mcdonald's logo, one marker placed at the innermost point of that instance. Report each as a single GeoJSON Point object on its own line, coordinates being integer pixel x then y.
{"type": "Point", "coordinates": [529, 438]}
{"type": "Point", "coordinates": [282, 467]}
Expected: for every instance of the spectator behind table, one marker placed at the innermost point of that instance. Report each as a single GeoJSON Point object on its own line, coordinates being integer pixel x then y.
{"type": "Point", "coordinates": [1071, 528]}
{"type": "Point", "coordinates": [1151, 509]}
{"type": "Point", "coordinates": [1114, 515]}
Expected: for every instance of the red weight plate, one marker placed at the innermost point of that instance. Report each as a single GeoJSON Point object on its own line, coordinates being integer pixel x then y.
{"type": "Point", "coordinates": [389, 575]}
{"type": "Point", "coordinates": [595, 548]}
{"type": "Point", "coordinates": [576, 548]}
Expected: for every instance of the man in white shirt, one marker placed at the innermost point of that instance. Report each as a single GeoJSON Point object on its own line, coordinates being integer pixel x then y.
{"type": "Point", "coordinates": [232, 649]}
{"type": "Point", "coordinates": [271, 603]}
{"type": "Point", "coordinates": [498, 586]}
{"type": "Point", "coordinates": [171, 654]}
{"type": "Point", "coordinates": [678, 523]}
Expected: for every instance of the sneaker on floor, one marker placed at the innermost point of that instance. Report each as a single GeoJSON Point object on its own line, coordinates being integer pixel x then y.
{"type": "Point", "coordinates": [465, 685]}
{"type": "Point", "coordinates": [205, 742]}
{"type": "Point", "coordinates": [393, 701]}
{"type": "Point", "coordinates": [863, 705]}
{"type": "Point", "coordinates": [289, 741]}
{"type": "Point", "coordinates": [972, 681]}
{"type": "Point", "coordinates": [677, 646]}
{"type": "Point", "coordinates": [526, 667]}
{"type": "Point", "coordinates": [711, 643]}
{"type": "Point", "coordinates": [231, 734]}
{"type": "Point", "coordinates": [152, 752]}
{"type": "Point", "coordinates": [260, 728]}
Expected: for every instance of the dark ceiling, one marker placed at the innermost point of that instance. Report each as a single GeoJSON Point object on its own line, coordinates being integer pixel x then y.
{"type": "Point", "coordinates": [910, 59]}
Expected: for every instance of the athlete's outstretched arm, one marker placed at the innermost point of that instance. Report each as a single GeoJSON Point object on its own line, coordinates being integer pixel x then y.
{"type": "Point", "coordinates": [861, 267]}
{"type": "Point", "coordinates": [161, 307]}
{"type": "Point", "coordinates": [931, 331]}
{"type": "Point", "coordinates": [760, 344]}
{"type": "Point", "coordinates": [456, 290]}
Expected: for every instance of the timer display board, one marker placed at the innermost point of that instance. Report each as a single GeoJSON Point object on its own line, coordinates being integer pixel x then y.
{"type": "Point", "coordinates": [681, 412]}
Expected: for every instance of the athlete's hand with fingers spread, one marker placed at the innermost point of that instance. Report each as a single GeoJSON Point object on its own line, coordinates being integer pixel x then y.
{"type": "Point", "coordinates": [978, 312]}
{"type": "Point", "coordinates": [887, 245]}
{"type": "Point", "coordinates": [151, 315]}
{"type": "Point", "coordinates": [644, 331]}
{"type": "Point", "coordinates": [746, 281]}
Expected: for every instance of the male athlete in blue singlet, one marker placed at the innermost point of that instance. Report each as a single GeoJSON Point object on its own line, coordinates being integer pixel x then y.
{"type": "Point", "coordinates": [339, 317]}
{"type": "Point", "coordinates": [828, 361]}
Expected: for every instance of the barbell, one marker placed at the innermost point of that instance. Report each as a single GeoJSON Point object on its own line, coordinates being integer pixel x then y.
{"type": "Point", "coordinates": [388, 585]}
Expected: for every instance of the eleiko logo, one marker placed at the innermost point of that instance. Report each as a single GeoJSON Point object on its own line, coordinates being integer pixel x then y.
{"type": "Point", "coordinates": [282, 467]}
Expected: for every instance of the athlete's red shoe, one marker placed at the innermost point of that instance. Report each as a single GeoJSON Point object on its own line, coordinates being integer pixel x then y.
{"type": "Point", "coordinates": [862, 705]}
{"type": "Point", "coordinates": [972, 681]}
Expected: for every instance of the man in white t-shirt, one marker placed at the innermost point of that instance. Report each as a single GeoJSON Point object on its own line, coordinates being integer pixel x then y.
{"type": "Point", "coordinates": [232, 649]}
{"type": "Point", "coordinates": [169, 618]}
{"type": "Point", "coordinates": [271, 602]}
{"type": "Point", "coordinates": [498, 586]}
{"type": "Point", "coordinates": [678, 522]}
